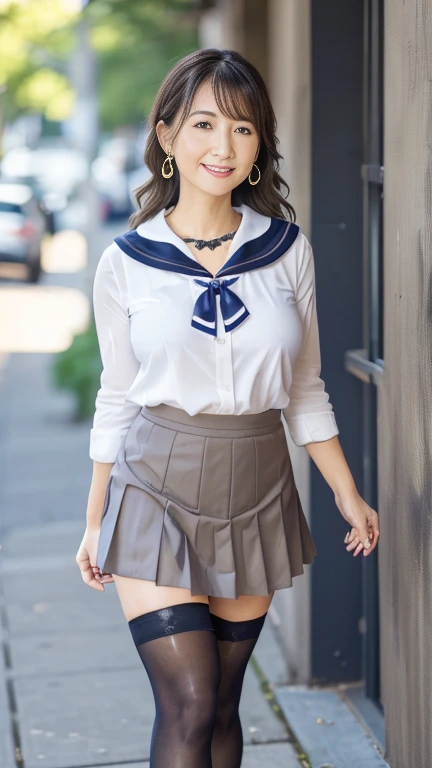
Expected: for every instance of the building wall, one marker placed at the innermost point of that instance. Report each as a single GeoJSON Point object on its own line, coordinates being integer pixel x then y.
{"type": "Point", "coordinates": [337, 141]}
{"type": "Point", "coordinates": [275, 36]}
{"type": "Point", "coordinates": [405, 395]}
{"type": "Point", "coordinates": [289, 82]}
{"type": "Point", "coordinates": [222, 26]}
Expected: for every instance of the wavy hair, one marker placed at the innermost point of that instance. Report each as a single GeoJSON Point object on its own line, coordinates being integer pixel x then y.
{"type": "Point", "coordinates": [241, 94]}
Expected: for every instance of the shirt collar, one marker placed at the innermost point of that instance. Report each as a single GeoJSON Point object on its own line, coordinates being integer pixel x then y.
{"type": "Point", "coordinates": [252, 225]}
{"type": "Point", "coordinates": [258, 241]}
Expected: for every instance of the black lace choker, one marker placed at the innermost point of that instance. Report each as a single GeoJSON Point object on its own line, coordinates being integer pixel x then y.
{"type": "Point", "coordinates": [212, 244]}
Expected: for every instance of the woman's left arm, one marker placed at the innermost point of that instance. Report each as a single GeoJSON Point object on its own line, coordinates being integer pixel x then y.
{"type": "Point", "coordinates": [311, 419]}
{"type": "Point", "coordinates": [330, 460]}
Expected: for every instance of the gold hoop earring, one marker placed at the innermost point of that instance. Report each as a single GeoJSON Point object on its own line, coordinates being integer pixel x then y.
{"type": "Point", "coordinates": [259, 176]}
{"type": "Point", "coordinates": [168, 158]}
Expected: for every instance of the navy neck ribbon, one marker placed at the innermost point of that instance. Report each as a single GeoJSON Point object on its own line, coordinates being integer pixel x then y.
{"type": "Point", "coordinates": [205, 312]}
{"type": "Point", "coordinates": [253, 254]}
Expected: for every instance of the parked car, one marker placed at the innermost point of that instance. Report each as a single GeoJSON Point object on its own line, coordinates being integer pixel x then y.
{"type": "Point", "coordinates": [56, 168]}
{"type": "Point", "coordinates": [136, 179]}
{"type": "Point", "coordinates": [116, 161]}
{"type": "Point", "coordinates": [22, 226]}
{"type": "Point", "coordinates": [111, 184]}
{"type": "Point", "coordinates": [54, 171]}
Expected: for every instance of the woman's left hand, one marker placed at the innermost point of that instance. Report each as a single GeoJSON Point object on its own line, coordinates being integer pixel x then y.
{"type": "Point", "coordinates": [364, 524]}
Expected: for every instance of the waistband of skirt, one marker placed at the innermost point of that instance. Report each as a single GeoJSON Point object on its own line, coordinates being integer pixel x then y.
{"type": "Point", "coordinates": [266, 420]}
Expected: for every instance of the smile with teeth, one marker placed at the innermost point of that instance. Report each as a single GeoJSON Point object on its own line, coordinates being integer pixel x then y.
{"type": "Point", "coordinates": [217, 170]}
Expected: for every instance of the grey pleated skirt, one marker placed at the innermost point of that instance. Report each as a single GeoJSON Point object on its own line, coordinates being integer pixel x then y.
{"type": "Point", "coordinates": [205, 502]}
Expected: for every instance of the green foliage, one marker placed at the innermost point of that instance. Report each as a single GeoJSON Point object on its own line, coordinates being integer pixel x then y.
{"type": "Point", "coordinates": [137, 42]}
{"type": "Point", "coordinates": [78, 369]}
{"type": "Point", "coordinates": [36, 39]}
{"type": "Point", "coordinates": [46, 92]}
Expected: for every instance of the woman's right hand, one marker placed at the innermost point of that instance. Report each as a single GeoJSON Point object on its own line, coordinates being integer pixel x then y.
{"type": "Point", "coordinates": [86, 559]}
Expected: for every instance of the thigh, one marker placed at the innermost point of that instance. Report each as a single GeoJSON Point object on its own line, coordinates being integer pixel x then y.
{"type": "Point", "coordinates": [138, 596]}
{"type": "Point", "coordinates": [243, 608]}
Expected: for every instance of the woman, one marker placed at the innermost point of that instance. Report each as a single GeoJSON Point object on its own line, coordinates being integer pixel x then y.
{"type": "Point", "coordinates": [202, 309]}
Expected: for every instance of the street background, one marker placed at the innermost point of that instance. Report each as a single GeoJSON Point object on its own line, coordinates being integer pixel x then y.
{"type": "Point", "coordinates": [75, 88]}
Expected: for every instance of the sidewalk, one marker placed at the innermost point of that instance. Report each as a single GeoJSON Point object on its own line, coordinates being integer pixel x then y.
{"type": "Point", "coordinates": [73, 691]}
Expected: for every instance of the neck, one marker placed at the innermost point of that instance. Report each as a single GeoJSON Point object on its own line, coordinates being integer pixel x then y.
{"type": "Point", "coordinates": [203, 217]}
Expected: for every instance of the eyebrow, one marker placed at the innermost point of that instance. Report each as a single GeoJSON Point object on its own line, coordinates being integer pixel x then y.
{"type": "Point", "coordinates": [213, 114]}
{"type": "Point", "coordinates": [203, 112]}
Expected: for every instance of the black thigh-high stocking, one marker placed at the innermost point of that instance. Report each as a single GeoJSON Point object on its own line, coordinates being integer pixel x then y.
{"type": "Point", "coordinates": [179, 650]}
{"type": "Point", "coordinates": [236, 640]}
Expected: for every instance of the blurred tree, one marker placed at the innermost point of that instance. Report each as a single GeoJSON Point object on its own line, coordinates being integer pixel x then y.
{"type": "Point", "coordinates": [137, 42]}
{"type": "Point", "coordinates": [36, 38]}
{"type": "Point", "coordinates": [78, 369]}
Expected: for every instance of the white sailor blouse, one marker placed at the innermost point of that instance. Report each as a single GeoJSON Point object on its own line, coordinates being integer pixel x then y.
{"type": "Point", "coordinates": [242, 341]}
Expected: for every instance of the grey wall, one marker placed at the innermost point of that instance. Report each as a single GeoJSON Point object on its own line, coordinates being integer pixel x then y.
{"type": "Point", "coordinates": [289, 80]}
{"type": "Point", "coordinates": [336, 236]}
{"type": "Point", "coordinates": [405, 396]}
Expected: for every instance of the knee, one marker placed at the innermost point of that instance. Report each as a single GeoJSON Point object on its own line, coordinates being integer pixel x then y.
{"type": "Point", "coordinates": [195, 709]}
{"type": "Point", "coordinates": [227, 712]}
{"type": "Point", "coordinates": [183, 666]}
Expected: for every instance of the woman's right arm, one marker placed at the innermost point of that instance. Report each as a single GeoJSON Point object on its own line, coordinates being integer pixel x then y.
{"type": "Point", "coordinates": [87, 552]}
{"type": "Point", "coordinates": [96, 498]}
{"type": "Point", "coordinates": [113, 413]}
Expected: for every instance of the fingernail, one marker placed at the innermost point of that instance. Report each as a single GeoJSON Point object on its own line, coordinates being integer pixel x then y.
{"type": "Point", "coordinates": [367, 544]}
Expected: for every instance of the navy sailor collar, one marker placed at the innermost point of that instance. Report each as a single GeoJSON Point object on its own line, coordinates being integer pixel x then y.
{"type": "Point", "coordinates": [260, 240]}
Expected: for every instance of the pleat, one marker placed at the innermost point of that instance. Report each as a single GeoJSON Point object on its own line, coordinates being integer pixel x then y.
{"type": "Point", "coordinates": [196, 553]}
{"type": "Point", "coordinates": [243, 495]}
{"type": "Point", "coordinates": [267, 468]}
{"type": "Point", "coordinates": [251, 568]}
{"type": "Point", "coordinates": [183, 475]}
{"type": "Point", "coordinates": [275, 547]}
{"type": "Point", "coordinates": [112, 504]}
{"type": "Point", "coordinates": [215, 490]}
{"type": "Point", "coordinates": [136, 539]}
{"type": "Point", "coordinates": [308, 548]}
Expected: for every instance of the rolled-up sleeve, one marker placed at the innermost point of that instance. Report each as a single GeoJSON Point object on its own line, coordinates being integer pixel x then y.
{"type": "Point", "coordinates": [309, 413]}
{"type": "Point", "coordinates": [114, 413]}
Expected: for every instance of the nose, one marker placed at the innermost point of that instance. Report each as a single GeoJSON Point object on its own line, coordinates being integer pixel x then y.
{"type": "Point", "coordinates": [222, 144]}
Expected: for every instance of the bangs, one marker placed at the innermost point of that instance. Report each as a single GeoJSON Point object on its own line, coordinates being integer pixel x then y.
{"type": "Point", "coordinates": [235, 94]}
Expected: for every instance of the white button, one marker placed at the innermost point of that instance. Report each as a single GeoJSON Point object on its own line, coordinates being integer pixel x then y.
{"type": "Point", "coordinates": [221, 341]}
{"type": "Point", "coordinates": [228, 387]}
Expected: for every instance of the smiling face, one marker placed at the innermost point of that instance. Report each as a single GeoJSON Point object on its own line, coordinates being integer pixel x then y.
{"type": "Point", "coordinates": [212, 151]}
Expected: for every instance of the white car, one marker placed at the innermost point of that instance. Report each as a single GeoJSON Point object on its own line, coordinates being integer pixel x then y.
{"type": "Point", "coordinates": [136, 179]}
{"type": "Point", "coordinates": [22, 226]}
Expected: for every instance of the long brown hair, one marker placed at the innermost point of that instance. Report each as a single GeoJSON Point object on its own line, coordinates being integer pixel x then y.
{"type": "Point", "coordinates": [237, 87]}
